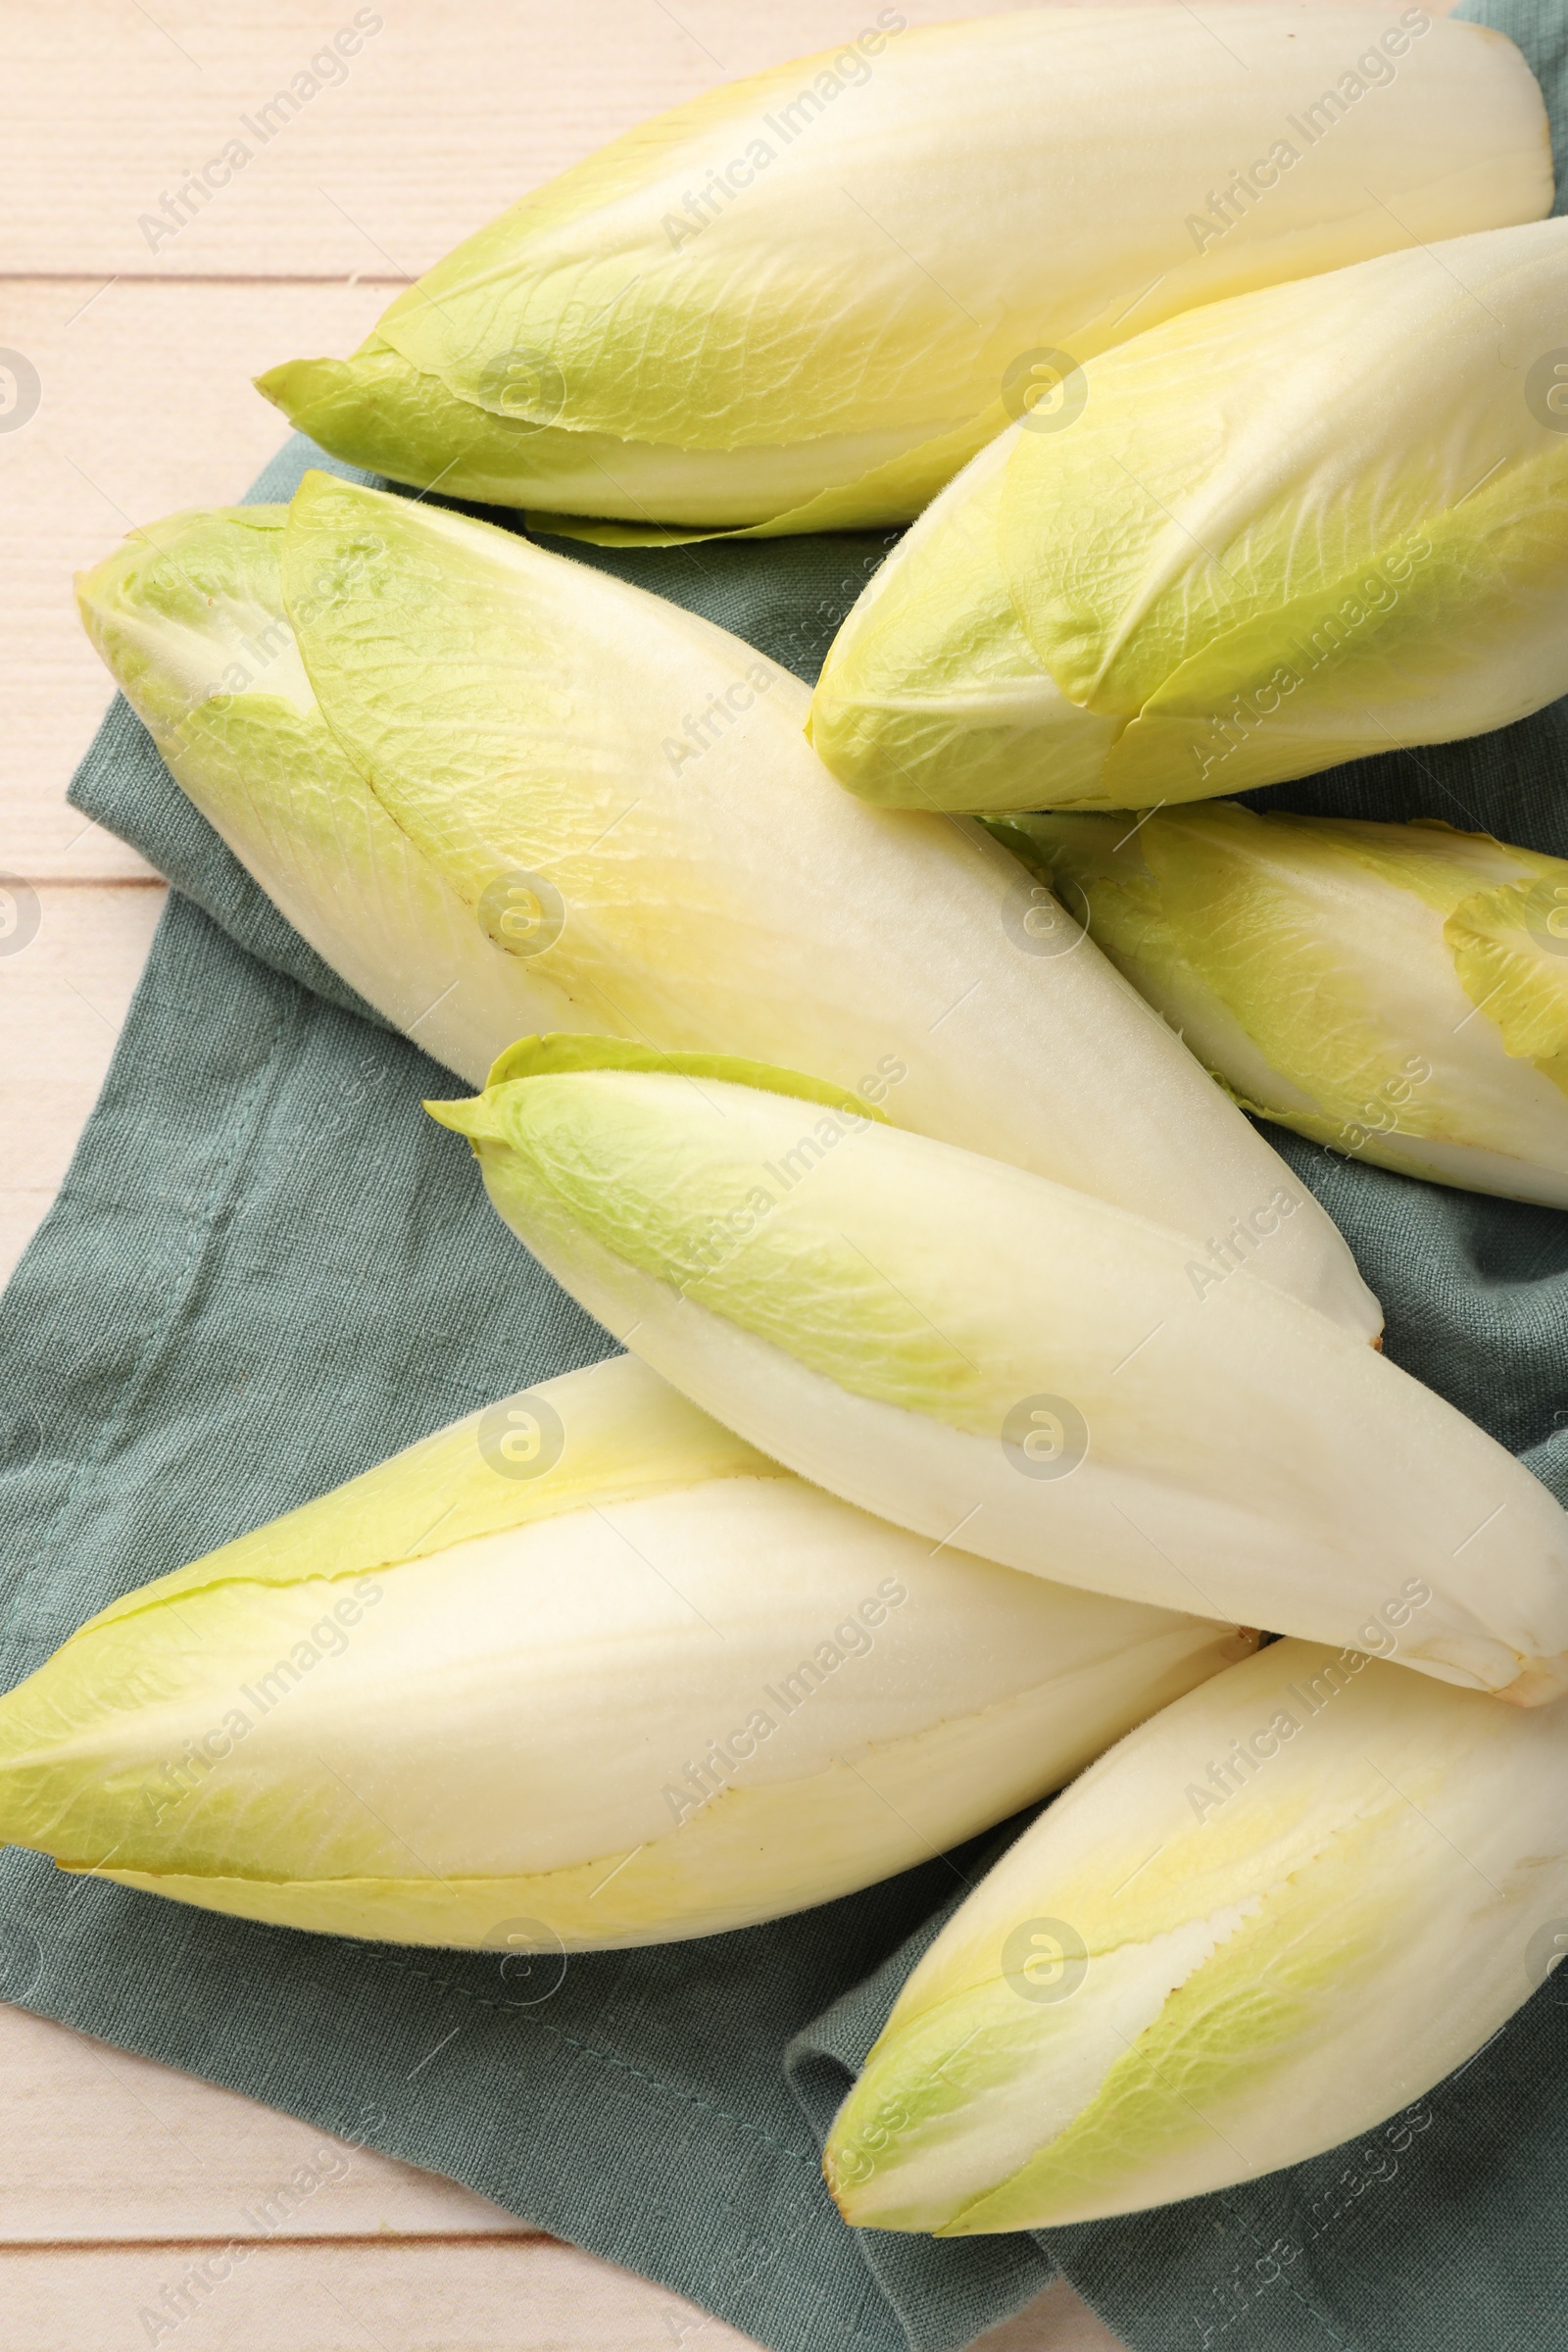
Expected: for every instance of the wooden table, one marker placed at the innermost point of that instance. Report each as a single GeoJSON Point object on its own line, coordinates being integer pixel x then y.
{"type": "Point", "coordinates": [116, 2174]}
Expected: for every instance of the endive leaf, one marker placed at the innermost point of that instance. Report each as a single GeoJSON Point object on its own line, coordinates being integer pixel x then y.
{"type": "Point", "coordinates": [506, 794]}
{"type": "Point", "coordinates": [1397, 991]}
{"type": "Point", "coordinates": [583, 1670]}
{"type": "Point", "coordinates": [801, 300]}
{"type": "Point", "coordinates": [1198, 1966]}
{"type": "Point", "coordinates": [630, 1435]}
{"type": "Point", "coordinates": [1508, 946]}
{"type": "Point", "coordinates": [191, 620]}
{"type": "Point", "coordinates": [554, 1056]}
{"type": "Point", "coordinates": [1255, 552]}
{"type": "Point", "coordinates": [959, 1345]}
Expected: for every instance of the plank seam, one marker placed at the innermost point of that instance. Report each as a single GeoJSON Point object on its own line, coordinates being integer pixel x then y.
{"type": "Point", "coordinates": [241, 2237]}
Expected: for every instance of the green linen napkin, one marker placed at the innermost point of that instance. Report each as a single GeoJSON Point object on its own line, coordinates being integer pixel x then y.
{"type": "Point", "coordinates": [267, 1269]}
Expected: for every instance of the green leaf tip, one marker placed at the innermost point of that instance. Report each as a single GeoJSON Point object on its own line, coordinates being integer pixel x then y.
{"type": "Point", "coordinates": [564, 1053]}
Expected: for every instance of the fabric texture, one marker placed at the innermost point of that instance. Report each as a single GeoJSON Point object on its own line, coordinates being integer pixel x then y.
{"type": "Point", "coordinates": [268, 1269]}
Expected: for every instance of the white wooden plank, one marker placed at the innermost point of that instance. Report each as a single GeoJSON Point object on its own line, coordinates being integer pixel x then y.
{"type": "Point", "coordinates": [145, 401]}
{"type": "Point", "coordinates": [1058, 2321]}
{"type": "Point", "coordinates": [120, 2148]}
{"type": "Point", "coordinates": [488, 2295]}
{"type": "Point", "coordinates": [439, 2295]}
{"type": "Point", "coordinates": [126, 2156]}
{"type": "Point", "coordinates": [442, 118]}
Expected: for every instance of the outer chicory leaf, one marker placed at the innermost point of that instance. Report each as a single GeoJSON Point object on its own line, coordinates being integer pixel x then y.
{"type": "Point", "coordinates": [500, 791]}
{"type": "Point", "coordinates": [581, 1671]}
{"type": "Point", "coordinates": [987, 1357]}
{"type": "Point", "coordinates": [1293, 528]}
{"type": "Point", "coordinates": [1399, 991]}
{"type": "Point", "coordinates": [803, 301]}
{"type": "Point", "coordinates": [1267, 1923]}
